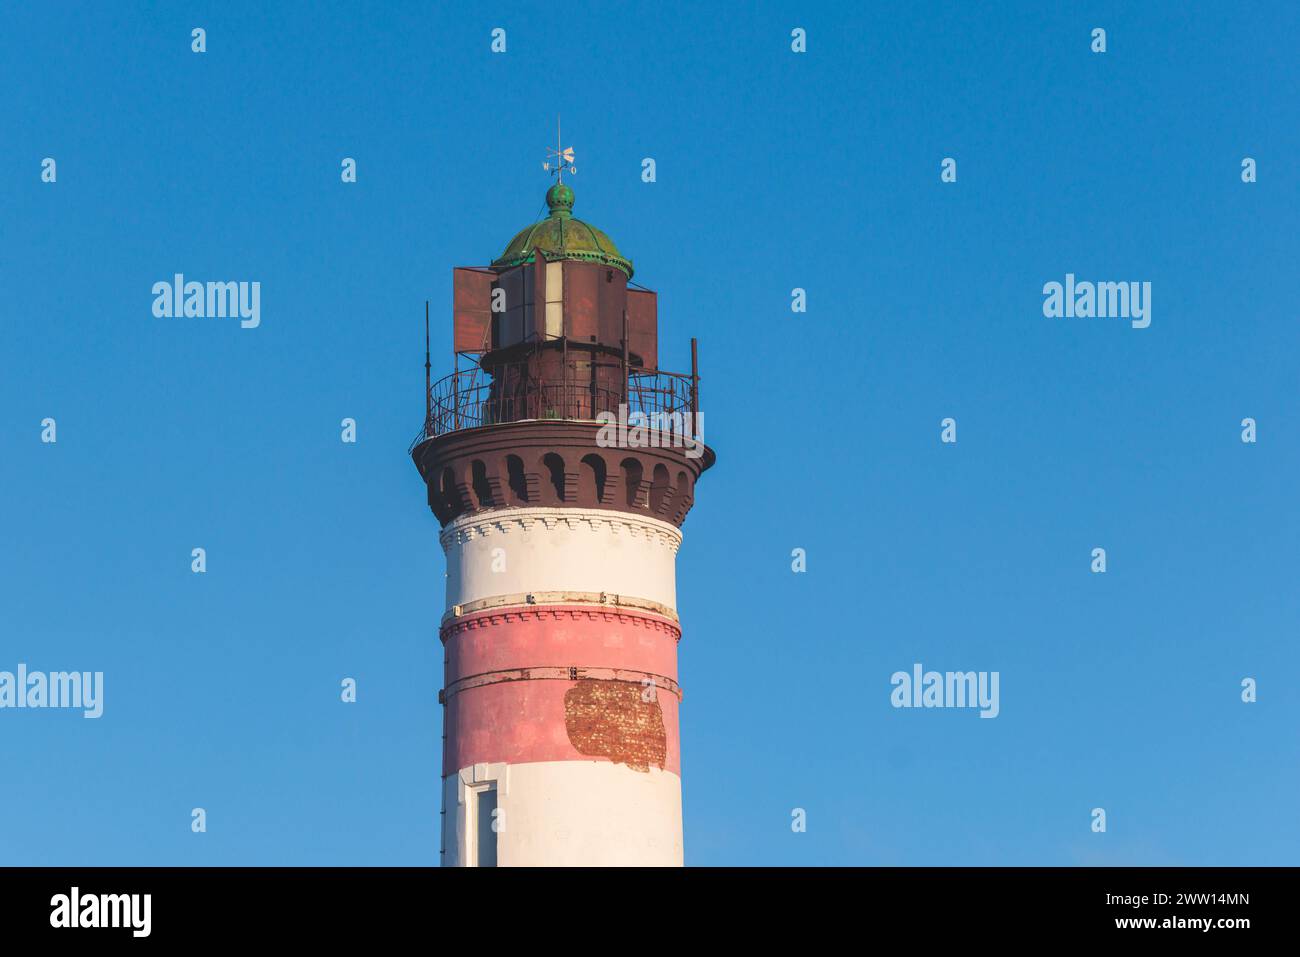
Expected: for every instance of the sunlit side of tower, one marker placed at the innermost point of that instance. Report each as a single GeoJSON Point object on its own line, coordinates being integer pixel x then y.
{"type": "Point", "coordinates": [560, 695]}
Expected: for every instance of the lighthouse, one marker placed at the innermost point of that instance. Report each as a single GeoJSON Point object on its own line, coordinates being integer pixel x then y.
{"type": "Point", "coordinates": [560, 462]}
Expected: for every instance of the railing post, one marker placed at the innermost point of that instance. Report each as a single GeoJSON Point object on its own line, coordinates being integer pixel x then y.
{"type": "Point", "coordinates": [455, 396]}
{"type": "Point", "coordinates": [695, 387]}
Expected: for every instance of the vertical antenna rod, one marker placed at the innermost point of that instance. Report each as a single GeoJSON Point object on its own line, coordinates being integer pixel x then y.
{"type": "Point", "coordinates": [428, 398]}
{"type": "Point", "coordinates": [626, 400]}
{"type": "Point", "coordinates": [695, 387]}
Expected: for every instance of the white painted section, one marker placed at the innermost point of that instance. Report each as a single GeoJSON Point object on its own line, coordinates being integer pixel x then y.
{"type": "Point", "coordinates": [554, 300]}
{"type": "Point", "coordinates": [519, 551]}
{"type": "Point", "coordinates": [568, 814]}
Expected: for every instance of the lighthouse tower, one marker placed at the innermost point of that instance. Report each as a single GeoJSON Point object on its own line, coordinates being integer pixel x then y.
{"type": "Point", "coordinates": [560, 461]}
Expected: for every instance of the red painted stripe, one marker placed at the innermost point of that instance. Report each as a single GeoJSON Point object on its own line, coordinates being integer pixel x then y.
{"type": "Point", "coordinates": [520, 721]}
{"type": "Point", "coordinates": [560, 636]}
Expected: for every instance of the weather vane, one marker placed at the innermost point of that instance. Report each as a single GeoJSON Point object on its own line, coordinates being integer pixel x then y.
{"type": "Point", "coordinates": [560, 157]}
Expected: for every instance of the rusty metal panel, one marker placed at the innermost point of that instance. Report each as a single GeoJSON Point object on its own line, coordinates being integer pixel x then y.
{"type": "Point", "coordinates": [471, 308]}
{"type": "Point", "coordinates": [643, 326]}
{"type": "Point", "coordinates": [582, 299]}
{"type": "Point", "coordinates": [514, 324]}
{"type": "Point", "coordinates": [535, 324]}
{"type": "Point", "coordinates": [613, 300]}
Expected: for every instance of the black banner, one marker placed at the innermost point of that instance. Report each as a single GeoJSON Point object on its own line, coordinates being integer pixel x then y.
{"type": "Point", "coordinates": [90, 906]}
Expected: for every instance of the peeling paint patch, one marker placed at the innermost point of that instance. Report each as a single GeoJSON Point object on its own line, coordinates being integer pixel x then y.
{"type": "Point", "coordinates": [608, 719]}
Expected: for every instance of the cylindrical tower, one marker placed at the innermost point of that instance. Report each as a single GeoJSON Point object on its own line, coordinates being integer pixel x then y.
{"type": "Point", "coordinates": [561, 463]}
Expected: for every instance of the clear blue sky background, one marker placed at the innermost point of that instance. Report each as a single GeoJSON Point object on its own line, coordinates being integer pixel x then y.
{"type": "Point", "coordinates": [775, 170]}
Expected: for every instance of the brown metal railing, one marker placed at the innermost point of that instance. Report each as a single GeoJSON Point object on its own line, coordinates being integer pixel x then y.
{"type": "Point", "coordinates": [513, 392]}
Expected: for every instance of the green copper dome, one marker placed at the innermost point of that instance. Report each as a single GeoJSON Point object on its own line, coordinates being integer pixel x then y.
{"type": "Point", "coordinates": [560, 236]}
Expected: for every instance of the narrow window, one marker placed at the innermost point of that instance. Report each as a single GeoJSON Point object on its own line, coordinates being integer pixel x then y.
{"type": "Point", "coordinates": [485, 843]}
{"type": "Point", "coordinates": [554, 300]}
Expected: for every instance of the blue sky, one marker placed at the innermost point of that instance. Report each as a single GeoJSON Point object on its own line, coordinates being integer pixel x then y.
{"type": "Point", "coordinates": [775, 171]}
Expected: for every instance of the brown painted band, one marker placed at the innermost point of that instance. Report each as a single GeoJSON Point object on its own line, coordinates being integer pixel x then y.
{"type": "Point", "coordinates": [515, 464]}
{"type": "Point", "coordinates": [560, 674]}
